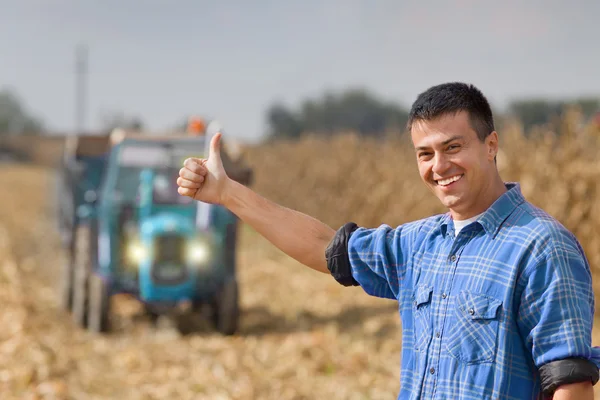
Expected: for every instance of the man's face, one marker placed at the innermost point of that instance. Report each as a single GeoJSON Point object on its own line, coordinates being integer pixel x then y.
{"type": "Point", "coordinates": [454, 163]}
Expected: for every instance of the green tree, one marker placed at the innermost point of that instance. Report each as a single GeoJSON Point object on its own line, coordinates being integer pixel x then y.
{"type": "Point", "coordinates": [537, 111]}
{"type": "Point", "coordinates": [354, 109]}
{"type": "Point", "coordinates": [283, 123]}
{"type": "Point", "coordinates": [15, 119]}
{"type": "Point", "coordinates": [533, 112]}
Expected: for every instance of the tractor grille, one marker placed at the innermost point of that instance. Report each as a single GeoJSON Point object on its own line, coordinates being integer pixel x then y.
{"type": "Point", "coordinates": [169, 266]}
{"type": "Point", "coordinates": [170, 249]}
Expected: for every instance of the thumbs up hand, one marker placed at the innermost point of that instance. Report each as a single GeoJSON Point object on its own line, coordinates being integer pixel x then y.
{"type": "Point", "coordinates": [204, 179]}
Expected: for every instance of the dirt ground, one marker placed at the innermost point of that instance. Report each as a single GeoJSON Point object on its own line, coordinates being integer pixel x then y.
{"type": "Point", "coordinates": [302, 335]}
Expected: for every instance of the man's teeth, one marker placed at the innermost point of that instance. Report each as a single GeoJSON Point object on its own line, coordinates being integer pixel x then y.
{"type": "Point", "coordinates": [448, 181]}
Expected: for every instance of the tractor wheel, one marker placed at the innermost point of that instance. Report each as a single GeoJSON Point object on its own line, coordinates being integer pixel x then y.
{"type": "Point", "coordinates": [226, 308]}
{"type": "Point", "coordinates": [231, 248]}
{"type": "Point", "coordinates": [66, 282]}
{"type": "Point", "coordinates": [82, 269]}
{"type": "Point", "coordinates": [98, 305]}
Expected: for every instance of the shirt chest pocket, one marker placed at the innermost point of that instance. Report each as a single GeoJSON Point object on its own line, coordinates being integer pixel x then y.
{"type": "Point", "coordinates": [473, 336]}
{"type": "Point", "coordinates": [422, 314]}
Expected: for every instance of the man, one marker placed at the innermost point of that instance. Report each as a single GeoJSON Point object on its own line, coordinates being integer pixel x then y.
{"type": "Point", "coordinates": [496, 299]}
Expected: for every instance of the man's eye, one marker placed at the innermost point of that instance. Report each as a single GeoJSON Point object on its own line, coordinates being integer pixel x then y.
{"type": "Point", "coordinates": [453, 147]}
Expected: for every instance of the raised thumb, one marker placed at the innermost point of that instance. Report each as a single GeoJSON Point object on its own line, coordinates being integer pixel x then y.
{"type": "Point", "coordinates": [215, 146]}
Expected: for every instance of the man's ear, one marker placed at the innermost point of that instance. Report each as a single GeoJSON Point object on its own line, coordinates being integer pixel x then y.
{"type": "Point", "coordinates": [492, 145]}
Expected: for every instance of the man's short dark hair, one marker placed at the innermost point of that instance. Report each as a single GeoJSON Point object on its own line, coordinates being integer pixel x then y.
{"type": "Point", "coordinates": [451, 98]}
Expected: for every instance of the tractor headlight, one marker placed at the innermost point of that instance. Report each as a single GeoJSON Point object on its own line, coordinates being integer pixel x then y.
{"type": "Point", "coordinates": [137, 252]}
{"type": "Point", "coordinates": [198, 252]}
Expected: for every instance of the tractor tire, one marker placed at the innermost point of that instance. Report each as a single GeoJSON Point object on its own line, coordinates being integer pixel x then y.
{"type": "Point", "coordinates": [98, 312]}
{"type": "Point", "coordinates": [82, 264]}
{"type": "Point", "coordinates": [226, 308]}
{"type": "Point", "coordinates": [231, 248]}
{"type": "Point", "coordinates": [66, 282]}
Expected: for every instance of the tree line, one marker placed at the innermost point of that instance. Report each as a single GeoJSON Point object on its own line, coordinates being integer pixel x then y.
{"type": "Point", "coordinates": [362, 112]}
{"type": "Point", "coordinates": [354, 109]}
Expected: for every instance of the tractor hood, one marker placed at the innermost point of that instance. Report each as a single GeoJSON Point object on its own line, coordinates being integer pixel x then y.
{"type": "Point", "coordinates": [165, 223]}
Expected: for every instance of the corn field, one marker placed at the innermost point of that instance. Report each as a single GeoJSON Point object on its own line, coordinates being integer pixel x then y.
{"type": "Point", "coordinates": [347, 178]}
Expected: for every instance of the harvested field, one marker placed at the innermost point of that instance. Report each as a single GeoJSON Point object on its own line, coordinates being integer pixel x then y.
{"type": "Point", "coordinates": [303, 336]}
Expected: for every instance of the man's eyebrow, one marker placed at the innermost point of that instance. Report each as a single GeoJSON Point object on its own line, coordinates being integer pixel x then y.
{"type": "Point", "coordinates": [445, 142]}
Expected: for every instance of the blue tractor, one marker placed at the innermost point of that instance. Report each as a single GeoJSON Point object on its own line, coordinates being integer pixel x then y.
{"type": "Point", "coordinates": [134, 234]}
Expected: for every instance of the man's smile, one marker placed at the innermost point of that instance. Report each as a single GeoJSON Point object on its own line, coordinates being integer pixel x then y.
{"type": "Point", "coordinates": [448, 181]}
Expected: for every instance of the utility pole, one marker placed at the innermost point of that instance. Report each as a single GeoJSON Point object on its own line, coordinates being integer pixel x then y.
{"type": "Point", "coordinates": [81, 70]}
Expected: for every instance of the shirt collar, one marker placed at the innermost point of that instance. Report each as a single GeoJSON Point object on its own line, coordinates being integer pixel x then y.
{"type": "Point", "coordinates": [496, 214]}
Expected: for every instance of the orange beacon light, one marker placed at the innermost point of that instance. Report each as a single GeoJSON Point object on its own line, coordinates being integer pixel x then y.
{"type": "Point", "coordinates": [196, 126]}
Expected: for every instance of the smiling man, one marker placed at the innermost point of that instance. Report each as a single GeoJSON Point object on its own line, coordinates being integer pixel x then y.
{"type": "Point", "coordinates": [495, 295]}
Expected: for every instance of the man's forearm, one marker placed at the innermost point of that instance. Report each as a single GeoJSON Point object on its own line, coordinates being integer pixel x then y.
{"type": "Point", "coordinates": [300, 236]}
{"type": "Point", "coordinates": [574, 391]}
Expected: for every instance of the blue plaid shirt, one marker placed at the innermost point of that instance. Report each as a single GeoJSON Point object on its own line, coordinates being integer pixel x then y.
{"type": "Point", "coordinates": [482, 311]}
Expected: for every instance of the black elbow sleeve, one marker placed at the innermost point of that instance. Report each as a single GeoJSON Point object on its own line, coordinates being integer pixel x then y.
{"type": "Point", "coordinates": [337, 258]}
{"type": "Point", "coordinates": [563, 372]}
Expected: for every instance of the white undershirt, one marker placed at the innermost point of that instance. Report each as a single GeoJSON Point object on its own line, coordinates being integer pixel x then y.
{"type": "Point", "coordinates": [458, 225]}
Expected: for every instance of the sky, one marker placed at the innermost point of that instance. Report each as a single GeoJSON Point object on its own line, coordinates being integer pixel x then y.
{"type": "Point", "coordinates": [162, 60]}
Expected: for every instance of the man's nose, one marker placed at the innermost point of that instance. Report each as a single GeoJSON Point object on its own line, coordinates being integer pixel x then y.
{"type": "Point", "coordinates": [440, 164]}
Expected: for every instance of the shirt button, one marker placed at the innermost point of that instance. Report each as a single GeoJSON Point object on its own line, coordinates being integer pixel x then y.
{"type": "Point", "coordinates": [437, 335]}
{"type": "Point", "coordinates": [444, 295]}
{"type": "Point", "coordinates": [453, 258]}
{"type": "Point", "coordinates": [471, 311]}
{"type": "Point", "coordinates": [432, 370]}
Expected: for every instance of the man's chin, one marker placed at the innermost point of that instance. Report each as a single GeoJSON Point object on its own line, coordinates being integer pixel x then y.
{"type": "Point", "coordinates": [449, 201]}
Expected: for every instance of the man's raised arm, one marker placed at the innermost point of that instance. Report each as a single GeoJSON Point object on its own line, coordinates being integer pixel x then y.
{"type": "Point", "coordinates": [300, 236]}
